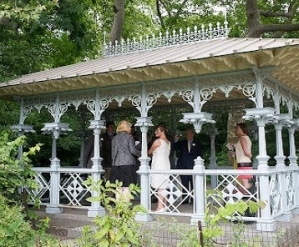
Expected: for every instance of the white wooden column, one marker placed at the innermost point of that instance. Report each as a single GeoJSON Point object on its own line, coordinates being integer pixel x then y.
{"type": "Point", "coordinates": [293, 166]}
{"type": "Point", "coordinates": [144, 122]}
{"type": "Point", "coordinates": [293, 157]}
{"type": "Point", "coordinates": [282, 169]}
{"type": "Point", "coordinates": [56, 128]}
{"type": "Point", "coordinates": [262, 116]}
{"type": "Point", "coordinates": [97, 107]}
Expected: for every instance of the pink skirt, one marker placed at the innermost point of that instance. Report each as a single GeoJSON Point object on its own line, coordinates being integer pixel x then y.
{"type": "Point", "coordinates": [245, 176]}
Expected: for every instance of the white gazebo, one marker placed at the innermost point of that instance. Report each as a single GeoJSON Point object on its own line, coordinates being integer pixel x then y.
{"type": "Point", "coordinates": [196, 68]}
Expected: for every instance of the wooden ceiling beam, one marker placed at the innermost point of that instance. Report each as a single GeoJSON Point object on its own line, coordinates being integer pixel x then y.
{"type": "Point", "coordinates": [135, 74]}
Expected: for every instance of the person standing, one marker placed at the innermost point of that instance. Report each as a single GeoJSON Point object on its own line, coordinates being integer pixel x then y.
{"type": "Point", "coordinates": [188, 150]}
{"type": "Point", "coordinates": [106, 147]}
{"type": "Point", "coordinates": [243, 155]}
{"type": "Point", "coordinates": [124, 153]}
{"type": "Point", "coordinates": [160, 150]}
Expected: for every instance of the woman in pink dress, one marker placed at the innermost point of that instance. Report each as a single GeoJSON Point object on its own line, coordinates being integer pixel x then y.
{"type": "Point", "coordinates": [243, 155]}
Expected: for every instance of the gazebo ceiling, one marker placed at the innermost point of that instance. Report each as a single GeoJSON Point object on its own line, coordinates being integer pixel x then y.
{"type": "Point", "coordinates": [201, 58]}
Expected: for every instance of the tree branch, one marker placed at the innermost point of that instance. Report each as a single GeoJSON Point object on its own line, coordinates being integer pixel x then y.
{"type": "Point", "coordinates": [281, 27]}
{"type": "Point", "coordinates": [165, 7]}
{"type": "Point", "coordinates": [257, 32]}
{"type": "Point", "coordinates": [159, 14]}
{"type": "Point", "coordinates": [180, 8]}
{"type": "Point", "coordinates": [274, 14]}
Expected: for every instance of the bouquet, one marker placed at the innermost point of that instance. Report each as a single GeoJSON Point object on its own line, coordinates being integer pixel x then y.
{"type": "Point", "coordinates": [230, 147]}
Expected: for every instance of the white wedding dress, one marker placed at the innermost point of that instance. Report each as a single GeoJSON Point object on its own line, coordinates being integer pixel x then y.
{"type": "Point", "coordinates": [160, 161]}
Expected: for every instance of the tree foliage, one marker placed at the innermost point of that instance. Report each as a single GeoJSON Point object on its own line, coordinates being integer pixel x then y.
{"type": "Point", "coordinates": [37, 35]}
{"type": "Point", "coordinates": [40, 34]}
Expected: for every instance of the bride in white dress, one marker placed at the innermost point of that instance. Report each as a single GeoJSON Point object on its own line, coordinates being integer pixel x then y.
{"type": "Point", "coordinates": [160, 161]}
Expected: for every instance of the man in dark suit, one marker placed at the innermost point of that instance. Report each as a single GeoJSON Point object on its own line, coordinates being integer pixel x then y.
{"type": "Point", "coordinates": [106, 139]}
{"type": "Point", "coordinates": [188, 150]}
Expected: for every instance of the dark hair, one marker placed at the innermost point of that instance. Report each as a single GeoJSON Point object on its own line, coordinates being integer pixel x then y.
{"type": "Point", "coordinates": [190, 129]}
{"type": "Point", "coordinates": [243, 127]}
{"type": "Point", "coordinates": [162, 127]}
{"type": "Point", "coordinates": [109, 123]}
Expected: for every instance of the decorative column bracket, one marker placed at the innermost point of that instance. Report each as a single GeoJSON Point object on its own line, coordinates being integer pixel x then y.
{"type": "Point", "coordinates": [197, 119]}
{"type": "Point", "coordinates": [97, 126]}
{"type": "Point", "coordinates": [197, 98]}
{"type": "Point", "coordinates": [262, 116]}
{"type": "Point", "coordinates": [22, 128]}
{"type": "Point", "coordinates": [281, 121]}
{"type": "Point", "coordinates": [56, 129]}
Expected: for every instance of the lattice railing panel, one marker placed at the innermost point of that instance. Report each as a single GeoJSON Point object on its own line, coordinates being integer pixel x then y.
{"type": "Point", "coordinates": [175, 193]}
{"type": "Point", "coordinates": [73, 191]}
{"type": "Point", "coordinates": [42, 193]}
{"type": "Point", "coordinates": [290, 193]}
{"type": "Point", "coordinates": [275, 194]}
{"type": "Point", "coordinates": [230, 189]}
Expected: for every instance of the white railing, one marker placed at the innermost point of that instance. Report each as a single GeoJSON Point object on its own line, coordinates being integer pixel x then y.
{"type": "Point", "coordinates": [167, 39]}
{"type": "Point", "coordinates": [73, 193]}
{"type": "Point", "coordinates": [226, 191]}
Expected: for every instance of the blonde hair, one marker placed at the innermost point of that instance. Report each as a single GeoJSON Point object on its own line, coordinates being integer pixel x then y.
{"type": "Point", "coordinates": [124, 126]}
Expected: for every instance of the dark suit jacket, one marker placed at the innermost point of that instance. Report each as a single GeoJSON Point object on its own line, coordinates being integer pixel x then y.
{"type": "Point", "coordinates": [106, 150]}
{"type": "Point", "coordinates": [186, 159]}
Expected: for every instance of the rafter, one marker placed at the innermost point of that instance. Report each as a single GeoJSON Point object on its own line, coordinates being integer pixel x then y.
{"type": "Point", "coordinates": [209, 65]}
{"type": "Point", "coordinates": [170, 70]}
{"type": "Point", "coordinates": [153, 72]}
{"type": "Point", "coordinates": [119, 77]}
{"type": "Point", "coordinates": [189, 67]}
{"type": "Point", "coordinates": [135, 74]}
{"type": "Point", "coordinates": [250, 58]}
{"type": "Point", "coordinates": [230, 62]}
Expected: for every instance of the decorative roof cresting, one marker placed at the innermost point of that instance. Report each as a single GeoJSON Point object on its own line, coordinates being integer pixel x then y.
{"type": "Point", "coordinates": [169, 39]}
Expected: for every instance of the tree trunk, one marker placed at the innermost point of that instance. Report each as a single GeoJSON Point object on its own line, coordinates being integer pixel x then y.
{"type": "Point", "coordinates": [118, 22]}
{"type": "Point", "coordinates": [253, 19]}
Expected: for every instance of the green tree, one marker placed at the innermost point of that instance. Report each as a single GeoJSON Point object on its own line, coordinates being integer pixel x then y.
{"type": "Point", "coordinates": [37, 35]}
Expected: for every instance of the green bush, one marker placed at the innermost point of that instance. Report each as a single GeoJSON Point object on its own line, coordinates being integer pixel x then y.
{"type": "Point", "coordinates": [15, 231]}
{"type": "Point", "coordinates": [118, 227]}
{"type": "Point", "coordinates": [17, 179]}
{"type": "Point", "coordinates": [16, 173]}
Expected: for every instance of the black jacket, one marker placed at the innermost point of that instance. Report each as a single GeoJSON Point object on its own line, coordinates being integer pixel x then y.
{"type": "Point", "coordinates": [186, 158]}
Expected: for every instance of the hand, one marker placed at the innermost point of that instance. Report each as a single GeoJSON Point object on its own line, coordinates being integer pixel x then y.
{"type": "Point", "coordinates": [176, 137]}
{"type": "Point", "coordinates": [230, 146]}
{"type": "Point", "coordinates": [231, 154]}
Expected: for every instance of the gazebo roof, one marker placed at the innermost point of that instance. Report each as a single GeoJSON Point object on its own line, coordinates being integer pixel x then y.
{"type": "Point", "coordinates": [200, 58]}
